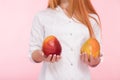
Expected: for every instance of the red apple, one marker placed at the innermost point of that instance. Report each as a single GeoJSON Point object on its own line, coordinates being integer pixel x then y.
{"type": "Point", "coordinates": [51, 45]}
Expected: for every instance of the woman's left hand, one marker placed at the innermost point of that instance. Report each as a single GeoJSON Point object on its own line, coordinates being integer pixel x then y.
{"type": "Point", "coordinates": [91, 61]}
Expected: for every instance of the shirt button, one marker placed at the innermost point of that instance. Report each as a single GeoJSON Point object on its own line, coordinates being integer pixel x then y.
{"type": "Point", "coordinates": [71, 34]}
{"type": "Point", "coordinates": [71, 49]}
{"type": "Point", "coordinates": [71, 64]}
{"type": "Point", "coordinates": [69, 21]}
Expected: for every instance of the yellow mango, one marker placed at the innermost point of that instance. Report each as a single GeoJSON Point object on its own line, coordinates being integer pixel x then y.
{"type": "Point", "coordinates": [91, 47]}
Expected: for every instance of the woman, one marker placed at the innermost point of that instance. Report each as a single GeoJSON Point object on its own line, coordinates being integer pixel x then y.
{"type": "Point", "coordinates": [72, 22]}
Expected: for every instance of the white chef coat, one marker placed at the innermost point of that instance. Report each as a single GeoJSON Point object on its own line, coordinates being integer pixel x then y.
{"type": "Point", "coordinates": [71, 36]}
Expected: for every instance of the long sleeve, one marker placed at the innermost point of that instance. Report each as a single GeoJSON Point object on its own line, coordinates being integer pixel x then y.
{"type": "Point", "coordinates": [98, 33]}
{"type": "Point", "coordinates": [36, 36]}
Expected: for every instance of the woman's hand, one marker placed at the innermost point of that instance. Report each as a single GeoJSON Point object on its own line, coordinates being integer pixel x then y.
{"type": "Point", "coordinates": [91, 61]}
{"type": "Point", "coordinates": [38, 56]}
{"type": "Point", "coordinates": [52, 58]}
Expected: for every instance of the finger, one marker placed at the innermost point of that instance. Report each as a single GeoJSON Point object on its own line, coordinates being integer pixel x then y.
{"type": "Point", "coordinates": [91, 58]}
{"type": "Point", "coordinates": [42, 54]}
{"type": "Point", "coordinates": [83, 57]}
{"type": "Point", "coordinates": [86, 59]}
{"type": "Point", "coordinates": [98, 59]}
{"type": "Point", "coordinates": [58, 58]}
{"type": "Point", "coordinates": [49, 58]}
{"type": "Point", "coordinates": [54, 58]}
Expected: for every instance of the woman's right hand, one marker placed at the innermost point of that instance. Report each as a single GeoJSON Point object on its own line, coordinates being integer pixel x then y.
{"type": "Point", "coordinates": [50, 58]}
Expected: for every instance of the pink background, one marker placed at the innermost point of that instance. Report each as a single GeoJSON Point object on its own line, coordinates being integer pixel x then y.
{"type": "Point", "coordinates": [15, 24]}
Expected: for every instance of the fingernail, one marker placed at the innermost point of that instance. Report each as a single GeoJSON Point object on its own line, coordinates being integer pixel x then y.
{"type": "Point", "coordinates": [84, 52]}
{"type": "Point", "coordinates": [42, 54]}
{"type": "Point", "coordinates": [90, 54]}
{"type": "Point", "coordinates": [57, 56]}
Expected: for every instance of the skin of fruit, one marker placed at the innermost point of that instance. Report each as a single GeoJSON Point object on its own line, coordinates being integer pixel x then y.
{"type": "Point", "coordinates": [51, 45]}
{"type": "Point", "coordinates": [91, 47]}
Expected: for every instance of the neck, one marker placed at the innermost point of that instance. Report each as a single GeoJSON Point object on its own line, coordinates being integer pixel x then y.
{"type": "Point", "coordinates": [64, 4]}
{"type": "Point", "coordinates": [65, 11]}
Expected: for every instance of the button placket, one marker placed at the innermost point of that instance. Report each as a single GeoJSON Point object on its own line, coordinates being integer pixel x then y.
{"type": "Point", "coordinates": [72, 63]}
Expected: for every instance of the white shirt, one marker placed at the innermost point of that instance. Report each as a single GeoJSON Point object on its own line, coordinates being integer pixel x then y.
{"type": "Point", "coordinates": [71, 36]}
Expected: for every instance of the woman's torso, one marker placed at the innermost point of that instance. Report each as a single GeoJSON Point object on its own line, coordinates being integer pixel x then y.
{"type": "Point", "coordinates": [71, 36]}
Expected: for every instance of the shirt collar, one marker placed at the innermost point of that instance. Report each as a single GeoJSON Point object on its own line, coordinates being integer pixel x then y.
{"type": "Point", "coordinates": [58, 8]}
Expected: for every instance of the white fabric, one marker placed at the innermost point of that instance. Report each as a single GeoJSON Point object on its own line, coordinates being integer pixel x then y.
{"type": "Point", "coordinates": [71, 36]}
